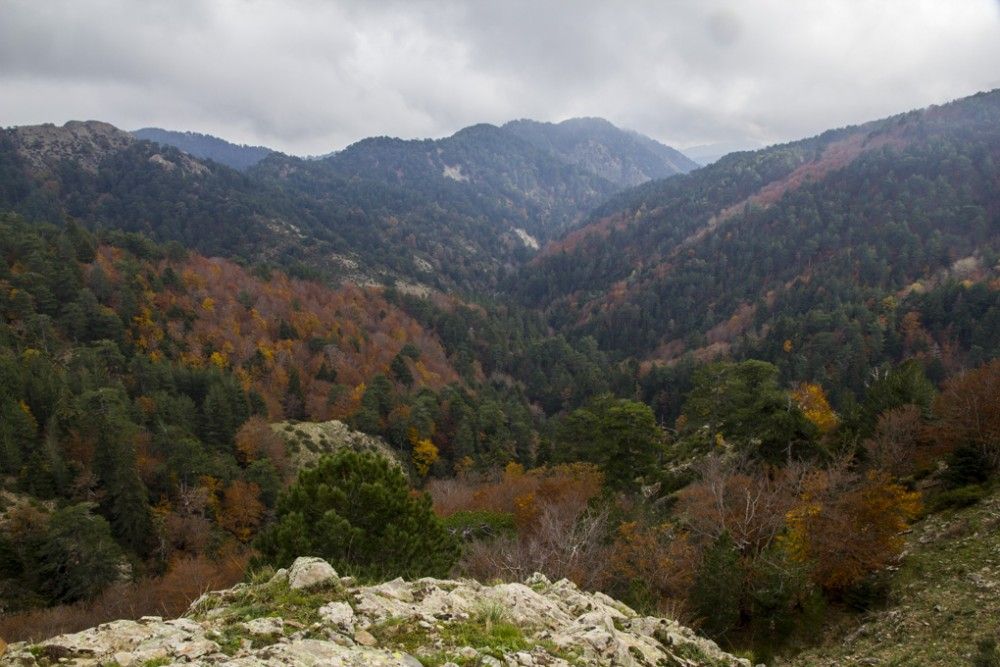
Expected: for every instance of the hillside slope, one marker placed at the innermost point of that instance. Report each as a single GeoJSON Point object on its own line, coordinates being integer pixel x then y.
{"type": "Point", "coordinates": [622, 157]}
{"type": "Point", "coordinates": [944, 598]}
{"type": "Point", "coordinates": [309, 615]}
{"type": "Point", "coordinates": [205, 146]}
{"type": "Point", "coordinates": [789, 243]}
{"type": "Point", "coordinates": [458, 214]}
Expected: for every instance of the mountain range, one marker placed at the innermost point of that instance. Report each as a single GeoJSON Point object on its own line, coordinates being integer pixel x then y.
{"type": "Point", "coordinates": [589, 351]}
{"type": "Point", "coordinates": [455, 213]}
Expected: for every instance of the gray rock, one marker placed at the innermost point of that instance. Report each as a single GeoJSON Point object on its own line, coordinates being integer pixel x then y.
{"type": "Point", "coordinates": [337, 613]}
{"type": "Point", "coordinates": [307, 573]}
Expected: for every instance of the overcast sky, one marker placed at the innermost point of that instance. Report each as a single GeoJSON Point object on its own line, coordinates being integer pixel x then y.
{"type": "Point", "coordinates": [310, 76]}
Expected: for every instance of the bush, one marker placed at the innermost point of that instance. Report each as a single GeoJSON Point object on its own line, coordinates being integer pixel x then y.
{"type": "Point", "coordinates": [357, 512]}
{"type": "Point", "coordinates": [967, 465]}
{"type": "Point", "coordinates": [964, 496]}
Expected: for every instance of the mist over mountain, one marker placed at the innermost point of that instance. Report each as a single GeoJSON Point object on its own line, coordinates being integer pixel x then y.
{"type": "Point", "coordinates": [240, 157]}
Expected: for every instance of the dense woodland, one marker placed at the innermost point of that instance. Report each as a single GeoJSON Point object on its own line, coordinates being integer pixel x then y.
{"type": "Point", "coordinates": [723, 396]}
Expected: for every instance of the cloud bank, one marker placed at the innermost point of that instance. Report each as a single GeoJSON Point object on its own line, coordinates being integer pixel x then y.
{"type": "Point", "coordinates": [310, 76]}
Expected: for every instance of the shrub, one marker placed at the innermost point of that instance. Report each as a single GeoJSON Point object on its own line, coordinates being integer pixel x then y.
{"type": "Point", "coordinates": [964, 496]}
{"type": "Point", "coordinates": [357, 511]}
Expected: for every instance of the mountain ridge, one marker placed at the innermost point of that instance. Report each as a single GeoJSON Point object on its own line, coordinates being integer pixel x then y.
{"type": "Point", "coordinates": [205, 146]}
{"type": "Point", "coordinates": [623, 157]}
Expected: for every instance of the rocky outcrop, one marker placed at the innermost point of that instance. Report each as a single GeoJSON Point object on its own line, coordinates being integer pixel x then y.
{"type": "Point", "coordinates": [308, 615]}
{"type": "Point", "coordinates": [307, 441]}
{"type": "Point", "coordinates": [85, 142]}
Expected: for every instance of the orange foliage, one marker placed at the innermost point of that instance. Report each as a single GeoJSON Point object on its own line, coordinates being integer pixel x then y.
{"type": "Point", "coordinates": [574, 483]}
{"type": "Point", "coordinates": [241, 510]}
{"type": "Point", "coordinates": [658, 556]}
{"type": "Point", "coordinates": [968, 411]}
{"type": "Point", "coordinates": [748, 503]}
{"type": "Point", "coordinates": [351, 330]}
{"type": "Point", "coordinates": [847, 530]}
{"type": "Point", "coordinates": [255, 439]}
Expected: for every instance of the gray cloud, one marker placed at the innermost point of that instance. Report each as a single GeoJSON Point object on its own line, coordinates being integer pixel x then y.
{"type": "Point", "coordinates": [307, 76]}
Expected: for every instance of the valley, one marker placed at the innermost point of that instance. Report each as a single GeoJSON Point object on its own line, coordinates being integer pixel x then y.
{"type": "Point", "coordinates": [734, 396]}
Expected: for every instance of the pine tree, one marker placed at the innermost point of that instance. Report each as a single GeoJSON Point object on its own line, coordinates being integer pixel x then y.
{"type": "Point", "coordinates": [357, 511]}
{"type": "Point", "coordinates": [718, 588]}
{"type": "Point", "coordinates": [77, 557]}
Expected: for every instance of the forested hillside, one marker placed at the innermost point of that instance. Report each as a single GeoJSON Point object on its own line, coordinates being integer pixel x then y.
{"type": "Point", "coordinates": [827, 256]}
{"type": "Point", "coordinates": [723, 395]}
{"type": "Point", "coordinates": [458, 214]}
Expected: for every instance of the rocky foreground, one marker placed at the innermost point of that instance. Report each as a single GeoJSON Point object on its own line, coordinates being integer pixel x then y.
{"type": "Point", "coordinates": [308, 615]}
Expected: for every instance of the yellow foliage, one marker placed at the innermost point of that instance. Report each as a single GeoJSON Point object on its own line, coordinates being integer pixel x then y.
{"type": "Point", "coordinates": [424, 456]}
{"type": "Point", "coordinates": [513, 470]}
{"type": "Point", "coordinates": [218, 359]}
{"type": "Point", "coordinates": [787, 346]}
{"type": "Point", "coordinates": [208, 304]}
{"type": "Point", "coordinates": [814, 405]}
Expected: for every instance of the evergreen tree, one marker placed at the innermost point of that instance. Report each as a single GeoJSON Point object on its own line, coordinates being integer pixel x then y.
{"type": "Point", "coordinates": [718, 588]}
{"type": "Point", "coordinates": [357, 511]}
{"type": "Point", "coordinates": [77, 557]}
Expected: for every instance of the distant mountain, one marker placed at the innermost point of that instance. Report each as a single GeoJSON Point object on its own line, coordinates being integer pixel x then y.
{"type": "Point", "coordinates": [810, 254]}
{"type": "Point", "coordinates": [458, 213]}
{"type": "Point", "coordinates": [706, 154]}
{"type": "Point", "coordinates": [625, 158]}
{"type": "Point", "coordinates": [482, 169]}
{"type": "Point", "coordinates": [205, 146]}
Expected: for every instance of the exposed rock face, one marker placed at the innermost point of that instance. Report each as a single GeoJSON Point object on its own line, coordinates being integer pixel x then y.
{"type": "Point", "coordinates": [394, 624]}
{"type": "Point", "coordinates": [86, 142]}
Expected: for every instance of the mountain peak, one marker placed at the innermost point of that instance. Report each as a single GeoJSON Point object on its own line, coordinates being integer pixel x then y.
{"type": "Point", "coordinates": [86, 142]}
{"type": "Point", "coordinates": [623, 157]}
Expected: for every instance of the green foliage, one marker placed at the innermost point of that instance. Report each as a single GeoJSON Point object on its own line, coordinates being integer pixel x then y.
{"type": "Point", "coordinates": [906, 384]}
{"type": "Point", "coordinates": [619, 435]}
{"type": "Point", "coordinates": [986, 653]}
{"type": "Point", "coordinates": [957, 498]}
{"type": "Point", "coordinates": [967, 465]}
{"type": "Point", "coordinates": [77, 556]}
{"type": "Point", "coordinates": [742, 404]}
{"type": "Point", "coordinates": [717, 594]}
{"type": "Point", "coordinates": [357, 512]}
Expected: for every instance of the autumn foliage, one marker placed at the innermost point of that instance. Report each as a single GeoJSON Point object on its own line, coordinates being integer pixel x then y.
{"type": "Point", "coordinates": [213, 312]}
{"type": "Point", "coordinates": [847, 529]}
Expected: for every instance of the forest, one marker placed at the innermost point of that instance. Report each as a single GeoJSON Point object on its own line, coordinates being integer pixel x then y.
{"type": "Point", "coordinates": [721, 396]}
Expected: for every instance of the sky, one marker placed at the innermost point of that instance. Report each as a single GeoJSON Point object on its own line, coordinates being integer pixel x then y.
{"type": "Point", "coordinates": [310, 76]}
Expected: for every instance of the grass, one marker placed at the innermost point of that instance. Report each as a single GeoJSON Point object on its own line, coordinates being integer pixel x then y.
{"type": "Point", "coordinates": [489, 630]}
{"type": "Point", "coordinates": [262, 599]}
